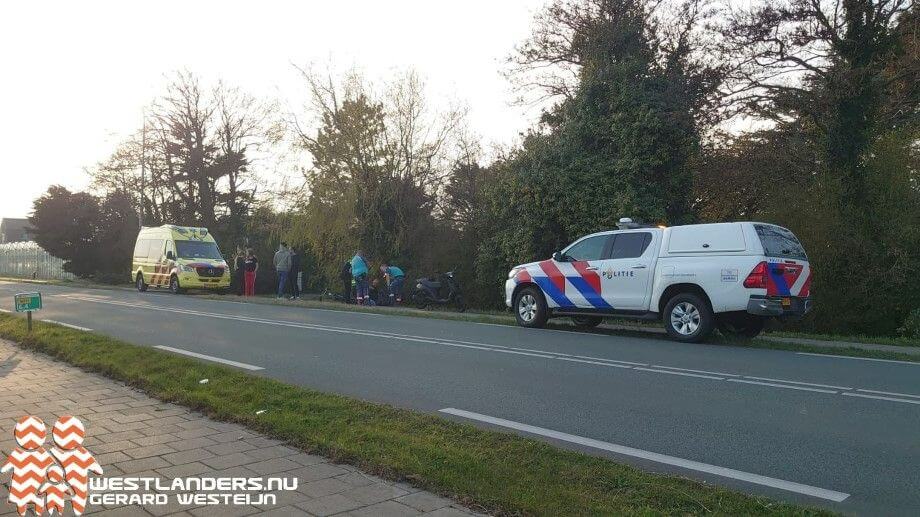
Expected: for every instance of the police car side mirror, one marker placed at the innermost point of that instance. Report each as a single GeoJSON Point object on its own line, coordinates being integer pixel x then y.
{"type": "Point", "coordinates": [170, 256]}
{"type": "Point", "coordinates": [558, 256]}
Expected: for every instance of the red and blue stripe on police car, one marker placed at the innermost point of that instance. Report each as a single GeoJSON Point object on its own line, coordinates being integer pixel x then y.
{"type": "Point", "coordinates": [566, 284]}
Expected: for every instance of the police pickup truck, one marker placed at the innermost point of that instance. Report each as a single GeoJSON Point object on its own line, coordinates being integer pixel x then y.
{"type": "Point", "coordinates": [694, 278]}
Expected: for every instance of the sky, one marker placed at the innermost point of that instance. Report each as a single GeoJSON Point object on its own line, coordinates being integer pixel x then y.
{"type": "Point", "coordinates": [75, 76]}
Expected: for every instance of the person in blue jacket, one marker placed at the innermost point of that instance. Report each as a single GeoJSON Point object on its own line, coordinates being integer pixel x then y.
{"type": "Point", "coordinates": [359, 272]}
{"type": "Point", "coordinates": [395, 278]}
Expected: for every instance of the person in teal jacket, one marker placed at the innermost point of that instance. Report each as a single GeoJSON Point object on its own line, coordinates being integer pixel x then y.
{"type": "Point", "coordinates": [395, 278]}
{"type": "Point", "coordinates": [359, 272]}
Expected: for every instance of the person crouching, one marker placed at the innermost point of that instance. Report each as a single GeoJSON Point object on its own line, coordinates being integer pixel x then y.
{"type": "Point", "coordinates": [395, 278]}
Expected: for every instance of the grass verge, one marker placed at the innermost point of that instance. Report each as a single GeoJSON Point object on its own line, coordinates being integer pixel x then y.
{"type": "Point", "coordinates": [490, 471]}
{"type": "Point", "coordinates": [849, 351]}
{"type": "Point", "coordinates": [872, 340]}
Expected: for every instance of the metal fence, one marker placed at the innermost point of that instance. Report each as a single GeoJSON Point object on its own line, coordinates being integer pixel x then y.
{"type": "Point", "coordinates": [29, 260]}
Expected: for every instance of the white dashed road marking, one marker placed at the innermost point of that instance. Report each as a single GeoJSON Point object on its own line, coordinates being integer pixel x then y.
{"type": "Point", "coordinates": [209, 358]}
{"type": "Point", "coordinates": [757, 479]}
{"type": "Point", "coordinates": [68, 325]}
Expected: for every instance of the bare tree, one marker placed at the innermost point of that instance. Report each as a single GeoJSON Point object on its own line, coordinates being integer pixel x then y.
{"type": "Point", "coordinates": [196, 146]}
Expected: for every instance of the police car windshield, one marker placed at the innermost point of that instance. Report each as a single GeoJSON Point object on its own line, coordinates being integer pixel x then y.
{"type": "Point", "coordinates": [779, 242]}
{"type": "Point", "coordinates": [197, 250]}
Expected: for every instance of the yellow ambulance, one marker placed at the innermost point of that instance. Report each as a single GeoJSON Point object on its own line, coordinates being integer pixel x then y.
{"type": "Point", "coordinates": [178, 258]}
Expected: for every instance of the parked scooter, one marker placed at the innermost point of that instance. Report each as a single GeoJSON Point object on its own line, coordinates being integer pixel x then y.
{"type": "Point", "coordinates": [440, 290]}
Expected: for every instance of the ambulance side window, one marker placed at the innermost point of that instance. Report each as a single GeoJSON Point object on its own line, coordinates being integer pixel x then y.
{"type": "Point", "coordinates": [140, 248]}
{"type": "Point", "coordinates": [170, 246]}
{"type": "Point", "coordinates": [156, 249]}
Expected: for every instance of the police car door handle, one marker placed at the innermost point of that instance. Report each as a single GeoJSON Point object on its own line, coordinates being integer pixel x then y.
{"type": "Point", "coordinates": [591, 268]}
{"type": "Point", "coordinates": [639, 266]}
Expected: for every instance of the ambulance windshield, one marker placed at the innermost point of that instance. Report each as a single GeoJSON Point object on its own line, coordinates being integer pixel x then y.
{"type": "Point", "coordinates": [197, 250]}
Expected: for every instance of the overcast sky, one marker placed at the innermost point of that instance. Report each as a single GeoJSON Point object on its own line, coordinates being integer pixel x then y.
{"type": "Point", "coordinates": [75, 75]}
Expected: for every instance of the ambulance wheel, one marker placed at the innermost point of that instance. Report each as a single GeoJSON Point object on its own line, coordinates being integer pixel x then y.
{"type": "Point", "coordinates": [174, 287]}
{"type": "Point", "coordinates": [587, 322]}
{"type": "Point", "coordinates": [530, 308]}
{"type": "Point", "coordinates": [688, 318]}
{"type": "Point", "coordinates": [740, 325]}
{"type": "Point", "coordinates": [139, 282]}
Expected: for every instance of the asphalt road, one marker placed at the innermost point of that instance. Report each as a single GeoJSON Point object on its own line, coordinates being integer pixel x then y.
{"type": "Point", "coordinates": [841, 433]}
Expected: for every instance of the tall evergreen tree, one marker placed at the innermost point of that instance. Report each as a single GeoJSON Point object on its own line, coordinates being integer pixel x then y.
{"type": "Point", "coordinates": [633, 97]}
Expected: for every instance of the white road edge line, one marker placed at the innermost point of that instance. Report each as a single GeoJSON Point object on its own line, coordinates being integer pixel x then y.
{"type": "Point", "coordinates": [756, 479]}
{"type": "Point", "coordinates": [797, 382]}
{"type": "Point", "coordinates": [773, 384]}
{"type": "Point", "coordinates": [859, 358]}
{"type": "Point", "coordinates": [879, 397]}
{"type": "Point", "coordinates": [685, 374]}
{"type": "Point", "coordinates": [68, 325]}
{"type": "Point", "coordinates": [573, 360]}
{"type": "Point", "coordinates": [209, 358]}
{"type": "Point", "coordinates": [889, 393]}
{"type": "Point", "coordinates": [721, 374]}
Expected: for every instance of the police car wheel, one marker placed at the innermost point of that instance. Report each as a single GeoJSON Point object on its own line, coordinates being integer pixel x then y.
{"type": "Point", "coordinates": [141, 286]}
{"type": "Point", "coordinates": [688, 318]}
{"type": "Point", "coordinates": [530, 308]}
{"type": "Point", "coordinates": [740, 326]}
{"type": "Point", "coordinates": [587, 321]}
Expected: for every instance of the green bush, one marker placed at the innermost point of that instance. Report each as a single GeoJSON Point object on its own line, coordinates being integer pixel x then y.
{"type": "Point", "coordinates": [110, 278]}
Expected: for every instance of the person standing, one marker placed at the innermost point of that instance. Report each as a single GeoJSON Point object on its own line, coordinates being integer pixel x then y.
{"type": "Point", "coordinates": [395, 278]}
{"type": "Point", "coordinates": [239, 271]}
{"type": "Point", "coordinates": [345, 277]}
{"type": "Point", "coordinates": [250, 267]}
{"type": "Point", "coordinates": [282, 263]}
{"type": "Point", "coordinates": [294, 274]}
{"type": "Point", "coordinates": [359, 271]}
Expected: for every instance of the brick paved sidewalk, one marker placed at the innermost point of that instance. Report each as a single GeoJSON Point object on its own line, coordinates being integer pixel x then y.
{"type": "Point", "coordinates": [132, 434]}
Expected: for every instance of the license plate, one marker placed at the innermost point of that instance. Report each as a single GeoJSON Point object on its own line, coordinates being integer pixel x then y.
{"type": "Point", "coordinates": [787, 302]}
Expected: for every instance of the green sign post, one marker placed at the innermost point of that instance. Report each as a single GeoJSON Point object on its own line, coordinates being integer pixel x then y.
{"type": "Point", "coordinates": [28, 302]}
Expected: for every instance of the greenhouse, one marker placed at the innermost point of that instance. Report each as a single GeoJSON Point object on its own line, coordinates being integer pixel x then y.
{"type": "Point", "coordinates": [29, 260]}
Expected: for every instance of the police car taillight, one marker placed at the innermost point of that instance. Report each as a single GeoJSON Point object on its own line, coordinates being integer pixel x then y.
{"type": "Point", "coordinates": [758, 277]}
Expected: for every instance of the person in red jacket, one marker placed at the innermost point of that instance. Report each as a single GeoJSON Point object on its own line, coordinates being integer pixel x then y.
{"type": "Point", "coordinates": [251, 267]}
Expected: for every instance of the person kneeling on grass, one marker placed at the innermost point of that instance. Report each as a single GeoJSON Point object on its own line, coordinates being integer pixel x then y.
{"type": "Point", "coordinates": [395, 278]}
